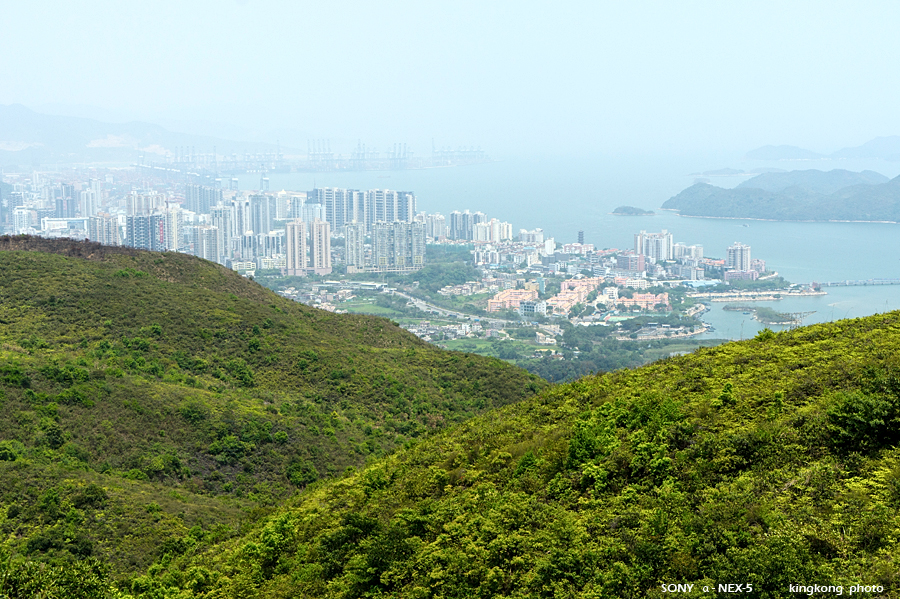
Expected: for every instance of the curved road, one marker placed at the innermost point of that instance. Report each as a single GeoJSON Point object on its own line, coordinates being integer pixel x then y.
{"type": "Point", "coordinates": [499, 322]}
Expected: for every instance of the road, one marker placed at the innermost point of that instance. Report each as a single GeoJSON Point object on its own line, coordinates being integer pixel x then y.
{"type": "Point", "coordinates": [426, 307]}
{"type": "Point", "coordinates": [494, 322]}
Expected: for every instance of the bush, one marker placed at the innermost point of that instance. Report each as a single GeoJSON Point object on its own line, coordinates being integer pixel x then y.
{"type": "Point", "coordinates": [53, 435]}
{"type": "Point", "coordinates": [862, 422]}
{"type": "Point", "coordinates": [11, 450]}
{"type": "Point", "coordinates": [230, 449]}
{"type": "Point", "coordinates": [194, 411]}
{"type": "Point", "coordinates": [301, 473]}
{"type": "Point", "coordinates": [93, 496]}
{"type": "Point", "coordinates": [13, 376]}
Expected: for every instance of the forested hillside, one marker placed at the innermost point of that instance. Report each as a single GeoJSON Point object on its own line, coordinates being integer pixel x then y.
{"type": "Point", "coordinates": [152, 401]}
{"type": "Point", "coordinates": [769, 462]}
{"type": "Point", "coordinates": [798, 195]}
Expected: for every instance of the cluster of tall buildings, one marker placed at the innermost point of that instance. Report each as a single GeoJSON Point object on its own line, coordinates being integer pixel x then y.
{"type": "Point", "coordinates": [246, 230]}
{"type": "Point", "coordinates": [739, 266]}
{"type": "Point", "coordinates": [465, 226]}
{"type": "Point", "coordinates": [659, 247]}
{"type": "Point", "coordinates": [42, 206]}
{"type": "Point", "coordinates": [658, 254]}
{"type": "Point", "coordinates": [294, 231]}
{"type": "Point", "coordinates": [394, 247]}
{"type": "Point", "coordinates": [384, 233]}
{"type": "Point", "coordinates": [382, 229]}
{"type": "Point", "coordinates": [230, 228]}
{"type": "Point", "coordinates": [476, 226]}
{"type": "Point", "coordinates": [346, 206]}
{"type": "Point", "coordinates": [308, 247]}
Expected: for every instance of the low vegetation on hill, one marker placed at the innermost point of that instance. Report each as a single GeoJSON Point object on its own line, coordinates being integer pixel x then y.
{"type": "Point", "coordinates": [769, 462]}
{"type": "Point", "coordinates": [762, 463]}
{"type": "Point", "coordinates": [155, 401]}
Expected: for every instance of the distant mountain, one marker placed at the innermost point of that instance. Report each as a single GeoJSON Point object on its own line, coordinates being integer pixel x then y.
{"type": "Point", "coordinates": [735, 172]}
{"type": "Point", "coordinates": [721, 172]}
{"type": "Point", "coordinates": [26, 135]}
{"type": "Point", "coordinates": [759, 171]}
{"type": "Point", "coordinates": [799, 195]}
{"type": "Point", "coordinates": [812, 180]}
{"type": "Point", "coordinates": [886, 148]}
{"type": "Point", "coordinates": [782, 153]}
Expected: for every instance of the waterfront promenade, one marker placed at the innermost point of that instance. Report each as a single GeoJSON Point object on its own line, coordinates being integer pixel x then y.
{"type": "Point", "coordinates": [860, 283]}
{"type": "Point", "coordinates": [752, 296]}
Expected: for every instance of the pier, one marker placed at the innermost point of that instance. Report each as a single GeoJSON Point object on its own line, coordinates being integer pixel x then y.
{"type": "Point", "coordinates": [858, 283]}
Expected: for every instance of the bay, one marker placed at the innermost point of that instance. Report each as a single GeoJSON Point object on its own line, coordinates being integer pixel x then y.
{"type": "Point", "coordinates": [564, 196]}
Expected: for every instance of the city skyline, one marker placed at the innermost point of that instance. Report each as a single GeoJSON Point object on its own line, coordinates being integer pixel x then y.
{"type": "Point", "coordinates": [243, 222]}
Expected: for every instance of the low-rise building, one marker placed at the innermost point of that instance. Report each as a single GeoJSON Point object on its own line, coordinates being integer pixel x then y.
{"type": "Point", "coordinates": [530, 308]}
{"type": "Point", "coordinates": [610, 296]}
{"type": "Point", "coordinates": [741, 275]}
{"type": "Point", "coordinates": [510, 298]}
{"type": "Point", "coordinates": [646, 301]}
{"type": "Point", "coordinates": [578, 248]}
{"type": "Point", "coordinates": [543, 339]}
{"type": "Point", "coordinates": [633, 283]}
{"type": "Point", "coordinates": [573, 291]}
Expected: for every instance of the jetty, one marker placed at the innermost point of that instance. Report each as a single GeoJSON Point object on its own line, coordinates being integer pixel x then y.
{"type": "Point", "coordinates": [859, 283]}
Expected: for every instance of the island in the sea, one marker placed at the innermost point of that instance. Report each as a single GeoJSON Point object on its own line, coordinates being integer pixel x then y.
{"type": "Point", "coordinates": [632, 211]}
{"type": "Point", "coordinates": [808, 195]}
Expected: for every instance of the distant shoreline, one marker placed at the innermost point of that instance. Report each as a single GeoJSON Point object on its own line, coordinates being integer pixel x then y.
{"type": "Point", "coordinates": [781, 220]}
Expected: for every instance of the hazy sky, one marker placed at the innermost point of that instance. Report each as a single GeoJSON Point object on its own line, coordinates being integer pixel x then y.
{"type": "Point", "coordinates": [514, 77]}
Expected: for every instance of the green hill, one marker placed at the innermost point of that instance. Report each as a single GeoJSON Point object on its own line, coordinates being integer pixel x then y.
{"type": "Point", "coordinates": [154, 401]}
{"type": "Point", "coordinates": [632, 211]}
{"type": "Point", "coordinates": [769, 462]}
{"type": "Point", "coordinates": [797, 195]}
{"type": "Point", "coordinates": [812, 180]}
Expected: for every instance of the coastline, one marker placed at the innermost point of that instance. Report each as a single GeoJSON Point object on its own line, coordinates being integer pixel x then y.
{"type": "Point", "coordinates": [753, 296]}
{"type": "Point", "coordinates": [756, 316]}
{"type": "Point", "coordinates": [699, 331]}
{"type": "Point", "coordinates": [781, 220]}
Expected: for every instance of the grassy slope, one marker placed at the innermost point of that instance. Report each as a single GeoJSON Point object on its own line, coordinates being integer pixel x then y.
{"type": "Point", "coordinates": [148, 394]}
{"type": "Point", "coordinates": [772, 462]}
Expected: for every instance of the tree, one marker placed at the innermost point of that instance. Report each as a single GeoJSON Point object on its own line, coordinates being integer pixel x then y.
{"type": "Point", "coordinates": [576, 310]}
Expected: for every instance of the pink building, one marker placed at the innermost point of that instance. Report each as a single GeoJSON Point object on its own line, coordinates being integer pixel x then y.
{"type": "Point", "coordinates": [510, 299]}
{"type": "Point", "coordinates": [646, 301]}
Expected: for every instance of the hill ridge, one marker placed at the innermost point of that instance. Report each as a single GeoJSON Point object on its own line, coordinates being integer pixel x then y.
{"type": "Point", "coordinates": [178, 394]}
{"type": "Point", "coordinates": [765, 462]}
{"type": "Point", "coordinates": [799, 195]}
